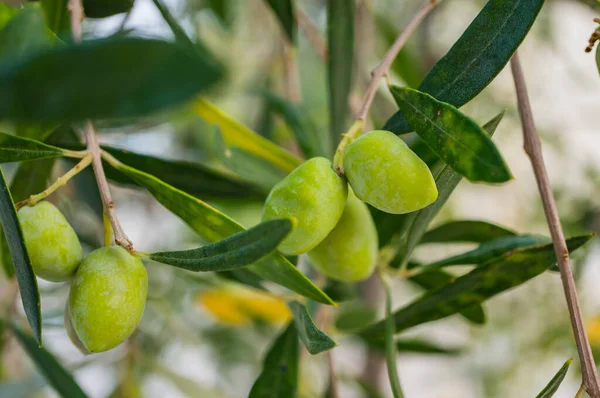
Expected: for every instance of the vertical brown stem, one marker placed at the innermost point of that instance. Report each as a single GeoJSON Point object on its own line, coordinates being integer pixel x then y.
{"type": "Point", "coordinates": [533, 148]}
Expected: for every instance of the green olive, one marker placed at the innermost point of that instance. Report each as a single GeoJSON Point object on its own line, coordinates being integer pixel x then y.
{"type": "Point", "coordinates": [384, 172]}
{"type": "Point", "coordinates": [53, 246]}
{"type": "Point", "coordinates": [107, 298]}
{"type": "Point", "coordinates": [314, 196]}
{"type": "Point", "coordinates": [349, 252]}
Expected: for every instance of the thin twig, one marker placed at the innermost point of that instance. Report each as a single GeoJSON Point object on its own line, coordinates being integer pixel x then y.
{"type": "Point", "coordinates": [76, 10]}
{"type": "Point", "coordinates": [291, 75]}
{"type": "Point", "coordinates": [382, 69]}
{"type": "Point", "coordinates": [533, 148]}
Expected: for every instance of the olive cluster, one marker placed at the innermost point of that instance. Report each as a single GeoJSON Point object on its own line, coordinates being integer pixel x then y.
{"type": "Point", "coordinates": [108, 286]}
{"type": "Point", "coordinates": [332, 224]}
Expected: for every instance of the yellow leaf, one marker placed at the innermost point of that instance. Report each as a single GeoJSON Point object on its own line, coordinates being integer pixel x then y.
{"type": "Point", "coordinates": [238, 135]}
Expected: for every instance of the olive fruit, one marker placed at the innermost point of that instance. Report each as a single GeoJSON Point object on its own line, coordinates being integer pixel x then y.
{"type": "Point", "coordinates": [53, 247]}
{"type": "Point", "coordinates": [384, 172]}
{"type": "Point", "coordinates": [107, 298]}
{"type": "Point", "coordinates": [313, 195]}
{"type": "Point", "coordinates": [349, 252]}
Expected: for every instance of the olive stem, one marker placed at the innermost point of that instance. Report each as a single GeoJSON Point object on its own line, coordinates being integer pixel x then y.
{"type": "Point", "coordinates": [376, 75]}
{"type": "Point", "coordinates": [533, 148]}
{"type": "Point", "coordinates": [60, 181]}
{"type": "Point", "coordinates": [76, 9]}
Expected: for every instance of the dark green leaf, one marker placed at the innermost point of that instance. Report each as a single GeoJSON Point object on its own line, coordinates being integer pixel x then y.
{"type": "Point", "coordinates": [315, 340]}
{"type": "Point", "coordinates": [52, 370]}
{"type": "Point", "coordinates": [30, 296]}
{"type": "Point", "coordinates": [553, 385]}
{"type": "Point", "coordinates": [340, 291]}
{"type": "Point", "coordinates": [598, 58]}
{"type": "Point", "coordinates": [453, 136]}
{"type": "Point", "coordinates": [222, 9]}
{"type": "Point", "coordinates": [236, 251]}
{"type": "Point", "coordinates": [466, 231]}
{"type": "Point", "coordinates": [284, 10]}
{"type": "Point", "coordinates": [306, 134]}
{"type": "Point", "coordinates": [497, 276]}
{"type": "Point", "coordinates": [106, 8]}
{"type": "Point", "coordinates": [340, 41]}
{"type": "Point", "coordinates": [214, 226]}
{"type": "Point", "coordinates": [390, 344]}
{"type": "Point", "coordinates": [446, 181]}
{"type": "Point", "coordinates": [57, 15]}
{"type": "Point", "coordinates": [18, 149]}
{"type": "Point", "coordinates": [30, 178]}
{"type": "Point", "coordinates": [416, 346]}
{"type": "Point", "coordinates": [23, 34]}
{"type": "Point", "coordinates": [279, 377]}
{"type": "Point", "coordinates": [354, 316]}
{"type": "Point", "coordinates": [488, 250]}
{"type": "Point", "coordinates": [437, 278]}
{"type": "Point", "coordinates": [478, 56]}
{"type": "Point", "coordinates": [110, 78]}
{"type": "Point", "coordinates": [178, 31]}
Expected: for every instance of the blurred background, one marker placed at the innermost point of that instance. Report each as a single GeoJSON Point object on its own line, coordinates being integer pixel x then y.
{"type": "Point", "coordinates": [195, 341]}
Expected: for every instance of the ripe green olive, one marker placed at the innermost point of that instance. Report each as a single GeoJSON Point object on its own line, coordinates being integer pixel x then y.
{"type": "Point", "coordinates": [384, 172]}
{"type": "Point", "coordinates": [314, 196]}
{"type": "Point", "coordinates": [53, 246]}
{"type": "Point", "coordinates": [107, 298]}
{"type": "Point", "coordinates": [349, 252]}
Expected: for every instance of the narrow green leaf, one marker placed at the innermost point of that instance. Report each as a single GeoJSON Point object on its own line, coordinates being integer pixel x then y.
{"type": "Point", "coordinates": [7, 13]}
{"type": "Point", "coordinates": [18, 149]}
{"type": "Point", "coordinates": [315, 340]}
{"type": "Point", "coordinates": [109, 78]}
{"type": "Point", "coordinates": [598, 58]}
{"type": "Point", "coordinates": [354, 316]}
{"type": "Point", "coordinates": [340, 41]}
{"type": "Point", "coordinates": [553, 385]}
{"type": "Point", "coordinates": [478, 56]}
{"type": "Point", "coordinates": [57, 376]}
{"type": "Point", "coordinates": [436, 278]}
{"type": "Point", "coordinates": [309, 139]}
{"type": "Point", "coordinates": [178, 31]}
{"type": "Point", "coordinates": [466, 231]}
{"type": "Point", "coordinates": [253, 169]}
{"type": "Point", "coordinates": [106, 8]}
{"type": "Point", "coordinates": [453, 136]}
{"type": "Point", "coordinates": [214, 226]}
{"type": "Point", "coordinates": [279, 377]}
{"type": "Point", "coordinates": [488, 250]}
{"type": "Point", "coordinates": [390, 344]}
{"type": "Point", "coordinates": [57, 15]}
{"type": "Point", "coordinates": [284, 10]}
{"type": "Point", "coordinates": [416, 346]}
{"type": "Point", "coordinates": [238, 136]}
{"type": "Point", "coordinates": [496, 276]}
{"type": "Point", "coordinates": [23, 34]}
{"type": "Point", "coordinates": [238, 250]}
{"type": "Point", "coordinates": [30, 296]}
{"type": "Point", "coordinates": [446, 181]}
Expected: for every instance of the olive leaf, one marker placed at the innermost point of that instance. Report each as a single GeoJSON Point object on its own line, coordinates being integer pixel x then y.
{"type": "Point", "coordinates": [238, 250]}
{"type": "Point", "coordinates": [415, 224]}
{"type": "Point", "coordinates": [213, 226]}
{"type": "Point", "coordinates": [279, 377]}
{"type": "Point", "coordinates": [60, 379]}
{"type": "Point", "coordinates": [18, 149]}
{"type": "Point", "coordinates": [340, 44]}
{"type": "Point", "coordinates": [108, 78]}
{"type": "Point", "coordinates": [315, 340]}
{"type": "Point", "coordinates": [487, 251]}
{"type": "Point", "coordinates": [237, 135]}
{"type": "Point", "coordinates": [25, 33]}
{"type": "Point", "coordinates": [417, 346]}
{"type": "Point", "coordinates": [453, 136]}
{"type": "Point", "coordinates": [436, 278]}
{"type": "Point", "coordinates": [496, 276]}
{"type": "Point", "coordinates": [6, 14]}
{"type": "Point", "coordinates": [57, 16]}
{"type": "Point", "coordinates": [478, 56]}
{"type": "Point", "coordinates": [106, 8]}
{"type": "Point", "coordinates": [309, 139]}
{"type": "Point", "coordinates": [177, 30]}
{"type": "Point", "coordinates": [284, 10]}
{"type": "Point", "coordinates": [466, 231]}
{"type": "Point", "coordinates": [555, 382]}
{"type": "Point", "coordinates": [30, 296]}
